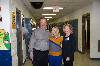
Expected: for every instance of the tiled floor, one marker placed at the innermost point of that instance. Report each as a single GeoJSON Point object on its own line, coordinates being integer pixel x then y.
{"type": "Point", "coordinates": [28, 63]}
{"type": "Point", "coordinates": [80, 60]}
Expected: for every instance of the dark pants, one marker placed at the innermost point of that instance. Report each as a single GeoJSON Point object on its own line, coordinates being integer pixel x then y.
{"type": "Point", "coordinates": [67, 63]}
{"type": "Point", "coordinates": [40, 58]}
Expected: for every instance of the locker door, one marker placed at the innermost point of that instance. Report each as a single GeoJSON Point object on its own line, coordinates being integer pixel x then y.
{"type": "Point", "coordinates": [74, 23]}
{"type": "Point", "coordinates": [19, 37]}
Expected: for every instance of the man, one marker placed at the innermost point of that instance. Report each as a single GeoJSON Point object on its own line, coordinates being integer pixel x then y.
{"type": "Point", "coordinates": [39, 44]}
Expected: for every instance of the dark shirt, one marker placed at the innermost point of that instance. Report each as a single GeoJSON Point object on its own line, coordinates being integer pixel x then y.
{"type": "Point", "coordinates": [68, 46]}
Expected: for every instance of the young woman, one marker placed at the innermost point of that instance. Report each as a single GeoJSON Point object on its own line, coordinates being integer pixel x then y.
{"type": "Point", "coordinates": [68, 45]}
{"type": "Point", "coordinates": [55, 50]}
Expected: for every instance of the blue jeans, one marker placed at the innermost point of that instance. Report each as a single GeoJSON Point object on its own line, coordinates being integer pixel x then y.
{"type": "Point", "coordinates": [55, 60]}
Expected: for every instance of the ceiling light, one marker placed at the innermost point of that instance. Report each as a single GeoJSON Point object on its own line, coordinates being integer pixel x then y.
{"type": "Point", "coordinates": [36, 0]}
{"type": "Point", "coordinates": [61, 8]}
{"type": "Point", "coordinates": [48, 14]}
{"type": "Point", "coordinates": [48, 17]}
{"type": "Point", "coordinates": [48, 8]}
{"type": "Point", "coordinates": [53, 7]}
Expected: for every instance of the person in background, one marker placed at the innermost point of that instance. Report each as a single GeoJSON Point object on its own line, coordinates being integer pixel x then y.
{"type": "Point", "coordinates": [39, 44]}
{"type": "Point", "coordinates": [68, 45]}
{"type": "Point", "coordinates": [55, 50]}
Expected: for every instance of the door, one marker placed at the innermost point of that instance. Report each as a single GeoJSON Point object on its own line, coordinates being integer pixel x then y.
{"type": "Point", "coordinates": [19, 37]}
{"type": "Point", "coordinates": [28, 33]}
{"type": "Point", "coordinates": [86, 32]}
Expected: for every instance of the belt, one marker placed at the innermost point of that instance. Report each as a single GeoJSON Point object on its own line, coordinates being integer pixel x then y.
{"type": "Point", "coordinates": [39, 49]}
{"type": "Point", "coordinates": [55, 53]}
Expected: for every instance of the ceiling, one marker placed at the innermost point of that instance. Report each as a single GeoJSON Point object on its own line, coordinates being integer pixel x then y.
{"type": "Point", "coordinates": [68, 7]}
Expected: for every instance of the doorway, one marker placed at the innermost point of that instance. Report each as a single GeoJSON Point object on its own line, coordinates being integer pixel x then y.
{"type": "Point", "coordinates": [86, 33]}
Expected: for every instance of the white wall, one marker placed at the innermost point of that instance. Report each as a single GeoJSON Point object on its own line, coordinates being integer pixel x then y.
{"type": "Point", "coordinates": [7, 7]}
{"type": "Point", "coordinates": [5, 24]}
{"type": "Point", "coordinates": [13, 5]}
{"type": "Point", "coordinates": [19, 4]}
{"type": "Point", "coordinates": [77, 15]}
{"type": "Point", "coordinates": [95, 29]}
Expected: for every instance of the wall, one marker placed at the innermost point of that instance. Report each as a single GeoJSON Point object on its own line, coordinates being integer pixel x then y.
{"type": "Point", "coordinates": [95, 29]}
{"type": "Point", "coordinates": [77, 15]}
{"type": "Point", "coordinates": [94, 10]}
{"type": "Point", "coordinates": [13, 5]}
{"type": "Point", "coordinates": [19, 4]}
{"type": "Point", "coordinates": [5, 24]}
{"type": "Point", "coordinates": [7, 7]}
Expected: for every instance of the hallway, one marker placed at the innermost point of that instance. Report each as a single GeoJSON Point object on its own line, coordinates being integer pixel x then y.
{"type": "Point", "coordinates": [80, 60]}
{"type": "Point", "coordinates": [19, 18]}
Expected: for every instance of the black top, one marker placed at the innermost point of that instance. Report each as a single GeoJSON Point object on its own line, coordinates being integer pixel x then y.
{"type": "Point", "coordinates": [68, 46]}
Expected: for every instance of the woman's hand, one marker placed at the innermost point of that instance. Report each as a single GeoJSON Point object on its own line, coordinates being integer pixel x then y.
{"type": "Point", "coordinates": [68, 59]}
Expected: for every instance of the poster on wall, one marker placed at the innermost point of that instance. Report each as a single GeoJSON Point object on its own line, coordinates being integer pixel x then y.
{"type": "Point", "coordinates": [13, 21]}
{"type": "Point", "coordinates": [4, 40]}
{"type": "Point", "coordinates": [13, 42]}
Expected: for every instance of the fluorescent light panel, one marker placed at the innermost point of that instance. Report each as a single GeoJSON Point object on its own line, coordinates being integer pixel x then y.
{"type": "Point", "coordinates": [48, 8]}
{"type": "Point", "coordinates": [48, 14]}
{"type": "Point", "coordinates": [48, 17]}
{"type": "Point", "coordinates": [51, 8]}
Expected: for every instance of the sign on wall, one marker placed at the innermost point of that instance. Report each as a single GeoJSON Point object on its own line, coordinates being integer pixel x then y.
{"type": "Point", "coordinates": [13, 20]}
{"type": "Point", "coordinates": [4, 40]}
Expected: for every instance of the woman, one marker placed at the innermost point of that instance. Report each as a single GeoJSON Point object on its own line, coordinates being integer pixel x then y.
{"type": "Point", "coordinates": [55, 51]}
{"type": "Point", "coordinates": [68, 45]}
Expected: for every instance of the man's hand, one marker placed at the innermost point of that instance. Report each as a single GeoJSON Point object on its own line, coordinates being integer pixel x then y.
{"type": "Point", "coordinates": [31, 56]}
